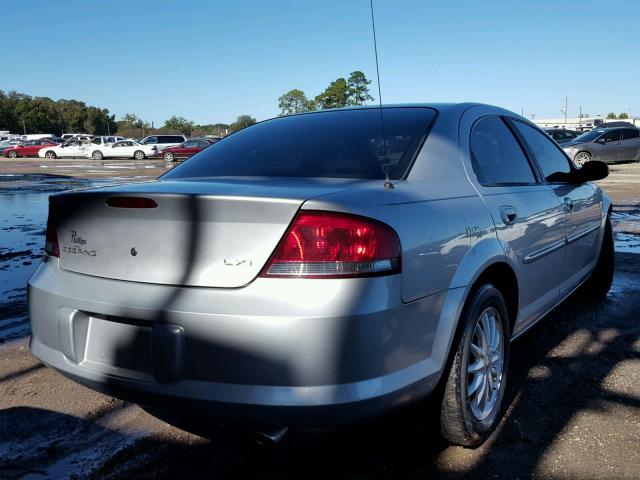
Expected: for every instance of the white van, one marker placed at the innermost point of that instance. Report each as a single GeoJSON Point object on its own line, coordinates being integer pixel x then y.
{"type": "Point", "coordinates": [106, 140]}
{"type": "Point", "coordinates": [69, 136]}
{"type": "Point", "coordinates": [163, 141]}
{"type": "Point", "coordinates": [35, 136]}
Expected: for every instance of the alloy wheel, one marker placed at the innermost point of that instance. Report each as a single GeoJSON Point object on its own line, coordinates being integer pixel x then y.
{"type": "Point", "coordinates": [582, 158]}
{"type": "Point", "coordinates": [485, 364]}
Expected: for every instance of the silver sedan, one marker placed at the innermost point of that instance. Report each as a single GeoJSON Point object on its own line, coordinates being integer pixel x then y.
{"type": "Point", "coordinates": [608, 145]}
{"type": "Point", "coordinates": [322, 268]}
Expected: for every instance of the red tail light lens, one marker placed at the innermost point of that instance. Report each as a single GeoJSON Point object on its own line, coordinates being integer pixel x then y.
{"type": "Point", "coordinates": [51, 237]}
{"type": "Point", "coordinates": [331, 245]}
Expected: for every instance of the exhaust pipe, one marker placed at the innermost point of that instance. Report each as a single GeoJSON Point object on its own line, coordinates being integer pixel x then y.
{"type": "Point", "coordinates": [269, 434]}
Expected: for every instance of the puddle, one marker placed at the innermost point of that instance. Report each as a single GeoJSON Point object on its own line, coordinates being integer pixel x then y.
{"type": "Point", "coordinates": [24, 200]}
{"type": "Point", "coordinates": [627, 242]}
{"type": "Point", "coordinates": [626, 229]}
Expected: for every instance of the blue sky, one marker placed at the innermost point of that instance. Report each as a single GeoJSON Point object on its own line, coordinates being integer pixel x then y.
{"type": "Point", "coordinates": [211, 61]}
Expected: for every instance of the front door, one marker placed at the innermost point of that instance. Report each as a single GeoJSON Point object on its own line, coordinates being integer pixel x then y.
{"type": "Point", "coordinates": [630, 144]}
{"type": "Point", "coordinates": [528, 217]}
{"type": "Point", "coordinates": [581, 203]}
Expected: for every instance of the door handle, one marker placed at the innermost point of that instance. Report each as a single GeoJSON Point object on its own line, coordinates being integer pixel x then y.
{"type": "Point", "coordinates": [568, 203]}
{"type": "Point", "coordinates": [508, 214]}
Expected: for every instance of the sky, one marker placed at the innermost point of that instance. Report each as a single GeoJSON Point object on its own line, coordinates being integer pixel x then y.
{"type": "Point", "coordinates": [210, 61]}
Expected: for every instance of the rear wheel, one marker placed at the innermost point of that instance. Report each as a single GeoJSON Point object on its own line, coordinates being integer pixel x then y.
{"type": "Point", "coordinates": [13, 154]}
{"type": "Point", "coordinates": [97, 155]}
{"type": "Point", "coordinates": [582, 157]}
{"type": "Point", "coordinates": [601, 278]}
{"type": "Point", "coordinates": [169, 157]}
{"type": "Point", "coordinates": [476, 382]}
{"type": "Point", "coordinates": [138, 155]}
{"type": "Point", "coordinates": [50, 154]}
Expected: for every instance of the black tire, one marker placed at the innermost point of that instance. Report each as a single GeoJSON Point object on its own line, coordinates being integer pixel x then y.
{"type": "Point", "coordinates": [12, 154]}
{"type": "Point", "coordinates": [97, 155]}
{"type": "Point", "coordinates": [50, 154]}
{"type": "Point", "coordinates": [139, 155]}
{"type": "Point", "coordinates": [458, 423]}
{"type": "Point", "coordinates": [599, 283]}
{"type": "Point", "coordinates": [169, 157]}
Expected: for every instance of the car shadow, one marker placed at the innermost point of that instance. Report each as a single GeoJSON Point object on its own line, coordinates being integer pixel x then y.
{"type": "Point", "coordinates": [558, 374]}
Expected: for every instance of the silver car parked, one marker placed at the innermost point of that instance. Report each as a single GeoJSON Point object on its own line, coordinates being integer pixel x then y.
{"type": "Point", "coordinates": [608, 145]}
{"type": "Point", "coordinates": [323, 268]}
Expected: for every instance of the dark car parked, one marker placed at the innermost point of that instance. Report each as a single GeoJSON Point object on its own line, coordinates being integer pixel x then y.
{"type": "Point", "coordinates": [561, 135]}
{"type": "Point", "coordinates": [609, 145]}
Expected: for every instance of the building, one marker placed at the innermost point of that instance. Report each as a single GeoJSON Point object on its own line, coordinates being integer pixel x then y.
{"type": "Point", "coordinates": [581, 124]}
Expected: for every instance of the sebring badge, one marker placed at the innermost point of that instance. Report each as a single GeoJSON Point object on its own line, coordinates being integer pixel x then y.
{"type": "Point", "coordinates": [79, 247]}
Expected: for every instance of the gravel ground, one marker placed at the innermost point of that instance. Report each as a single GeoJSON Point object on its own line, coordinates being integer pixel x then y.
{"type": "Point", "coordinates": [573, 396]}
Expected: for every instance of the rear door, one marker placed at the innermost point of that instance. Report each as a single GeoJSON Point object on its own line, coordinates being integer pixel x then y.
{"type": "Point", "coordinates": [188, 148]}
{"type": "Point", "coordinates": [582, 204]}
{"type": "Point", "coordinates": [529, 218]}
{"type": "Point", "coordinates": [30, 148]}
{"type": "Point", "coordinates": [630, 144]}
{"type": "Point", "coordinates": [612, 150]}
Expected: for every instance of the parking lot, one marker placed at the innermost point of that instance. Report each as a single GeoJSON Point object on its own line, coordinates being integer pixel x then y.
{"type": "Point", "coordinates": [573, 395]}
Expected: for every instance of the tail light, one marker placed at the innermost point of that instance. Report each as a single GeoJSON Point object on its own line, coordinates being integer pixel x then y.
{"type": "Point", "coordinates": [51, 237]}
{"type": "Point", "coordinates": [335, 245]}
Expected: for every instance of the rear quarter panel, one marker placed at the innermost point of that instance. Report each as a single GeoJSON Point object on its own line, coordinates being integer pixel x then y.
{"type": "Point", "coordinates": [446, 231]}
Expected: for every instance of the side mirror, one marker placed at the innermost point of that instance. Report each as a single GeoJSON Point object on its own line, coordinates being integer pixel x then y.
{"type": "Point", "coordinates": [601, 141]}
{"type": "Point", "coordinates": [593, 170]}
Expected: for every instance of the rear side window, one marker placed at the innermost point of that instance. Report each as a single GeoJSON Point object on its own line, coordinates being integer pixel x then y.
{"type": "Point", "coordinates": [496, 155]}
{"type": "Point", "coordinates": [333, 144]}
{"type": "Point", "coordinates": [612, 136]}
{"type": "Point", "coordinates": [629, 133]}
{"type": "Point", "coordinates": [552, 162]}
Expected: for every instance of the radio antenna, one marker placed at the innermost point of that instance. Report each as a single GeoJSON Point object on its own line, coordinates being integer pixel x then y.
{"type": "Point", "coordinates": [385, 166]}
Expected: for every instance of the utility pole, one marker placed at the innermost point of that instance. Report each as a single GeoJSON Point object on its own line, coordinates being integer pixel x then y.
{"type": "Point", "coordinates": [580, 118]}
{"type": "Point", "coordinates": [24, 127]}
{"type": "Point", "coordinates": [522, 112]}
{"type": "Point", "coordinates": [565, 109]}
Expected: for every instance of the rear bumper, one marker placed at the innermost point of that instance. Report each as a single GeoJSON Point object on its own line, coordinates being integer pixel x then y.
{"type": "Point", "coordinates": [295, 352]}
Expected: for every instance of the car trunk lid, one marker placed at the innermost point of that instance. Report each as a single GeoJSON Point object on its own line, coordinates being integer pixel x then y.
{"type": "Point", "coordinates": [191, 233]}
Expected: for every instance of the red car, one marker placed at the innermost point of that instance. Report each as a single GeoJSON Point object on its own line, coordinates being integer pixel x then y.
{"type": "Point", "coordinates": [186, 149]}
{"type": "Point", "coordinates": [29, 148]}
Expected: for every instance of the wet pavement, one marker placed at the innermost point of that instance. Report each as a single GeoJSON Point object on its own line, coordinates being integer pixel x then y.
{"type": "Point", "coordinates": [573, 397]}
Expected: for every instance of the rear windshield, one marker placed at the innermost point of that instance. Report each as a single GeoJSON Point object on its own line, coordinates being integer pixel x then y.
{"type": "Point", "coordinates": [334, 144]}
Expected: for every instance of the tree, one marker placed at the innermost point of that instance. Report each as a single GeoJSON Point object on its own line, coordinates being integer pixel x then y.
{"type": "Point", "coordinates": [39, 114]}
{"type": "Point", "coordinates": [336, 95]}
{"type": "Point", "coordinates": [8, 116]}
{"type": "Point", "coordinates": [241, 122]}
{"type": "Point", "coordinates": [72, 115]}
{"type": "Point", "coordinates": [612, 115]}
{"type": "Point", "coordinates": [294, 101]}
{"type": "Point", "coordinates": [99, 122]}
{"type": "Point", "coordinates": [358, 89]}
{"type": "Point", "coordinates": [179, 124]}
{"type": "Point", "coordinates": [623, 116]}
{"type": "Point", "coordinates": [132, 126]}
{"type": "Point", "coordinates": [217, 129]}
